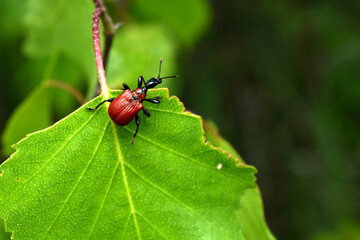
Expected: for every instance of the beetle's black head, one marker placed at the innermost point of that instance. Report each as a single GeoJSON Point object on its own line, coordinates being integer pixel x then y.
{"type": "Point", "coordinates": [155, 81]}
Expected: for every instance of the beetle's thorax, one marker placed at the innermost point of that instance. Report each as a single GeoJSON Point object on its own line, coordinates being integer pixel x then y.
{"type": "Point", "coordinates": [139, 93]}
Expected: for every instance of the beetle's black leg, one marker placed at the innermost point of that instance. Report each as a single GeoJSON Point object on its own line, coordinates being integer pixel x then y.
{"type": "Point", "coordinates": [146, 112]}
{"type": "Point", "coordinates": [153, 100]}
{"type": "Point", "coordinates": [126, 87]}
{"type": "Point", "coordinates": [137, 121]}
{"type": "Point", "coordinates": [140, 81]}
{"type": "Point", "coordinates": [107, 100]}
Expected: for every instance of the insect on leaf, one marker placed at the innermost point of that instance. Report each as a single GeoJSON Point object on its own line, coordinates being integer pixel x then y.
{"type": "Point", "coordinates": [81, 179]}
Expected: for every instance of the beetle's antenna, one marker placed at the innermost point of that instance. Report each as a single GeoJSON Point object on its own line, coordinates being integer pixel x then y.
{"type": "Point", "coordinates": [175, 76]}
{"type": "Point", "coordinates": [161, 59]}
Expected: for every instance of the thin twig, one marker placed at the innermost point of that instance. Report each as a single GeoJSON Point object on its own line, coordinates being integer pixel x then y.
{"type": "Point", "coordinates": [108, 43]}
{"type": "Point", "coordinates": [67, 87]}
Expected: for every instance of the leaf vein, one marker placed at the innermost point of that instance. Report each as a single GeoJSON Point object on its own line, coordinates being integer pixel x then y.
{"type": "Point", "coordinates": [121, 160]}
{"type": "Point", "coordinates": [42, 167]}
{"type": "Point", "coordinates": [126, 224]}
{"type": "Point", "coordinates": [162, 190]}
{"type": "Point", "coordinates": [105, 196]}
{"type": "Point", "coordinates": [186, 156]}
{"type": "Point", "coordinates": [190, 209]}
{"type": "Point", "coordinates": [151, 225]}
{"type": "Point", "coordinates": [77, 183]}
{"type": "Point", "coordinates": [179, 113]}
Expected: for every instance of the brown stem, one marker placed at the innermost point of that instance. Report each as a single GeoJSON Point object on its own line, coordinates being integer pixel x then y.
{"type": "Point", "coordinates": [108, 43]}
{"type": "Point", "coordinates": [67, 87]}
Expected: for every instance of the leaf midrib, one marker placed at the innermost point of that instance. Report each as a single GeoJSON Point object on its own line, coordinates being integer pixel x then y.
{"type": "Point", "coordinates": [121, 160]}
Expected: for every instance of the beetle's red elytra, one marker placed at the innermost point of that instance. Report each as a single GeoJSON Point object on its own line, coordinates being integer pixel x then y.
{"type": "Point", "coordinates": [124, 108]}
{"type": "Point", "coordinates": [128, 104]}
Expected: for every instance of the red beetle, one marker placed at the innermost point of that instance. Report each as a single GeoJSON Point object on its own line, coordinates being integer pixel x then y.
{"type": "Point", "coordinates": [128, 104]}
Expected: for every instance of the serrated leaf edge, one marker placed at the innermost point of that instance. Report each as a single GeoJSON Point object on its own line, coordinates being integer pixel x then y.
{"type": "Point", "coordinates": [133, 211]}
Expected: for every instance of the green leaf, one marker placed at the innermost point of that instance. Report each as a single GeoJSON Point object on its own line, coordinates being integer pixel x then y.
{"type": "Point", "coordinates": [65, 71]}
{"type": "Point", "coordinates": [31, 115]}
{"type": "Point", "coordinates": [213, 136]}
{"type": "Point", "coordinates": [11, 13]}
{"type": "Point", "coordinates": [82, 178]}
{"type": "Point", "coordinates": [60, 26]}
{"type": "Point", "coordinates": [252, 216]}
{"type": "Point", "coordinates": [252, 210]}
{"type": "Point", "coordinates": [187, 19]}
{"type": "Point", "coordinates": [37, 110]}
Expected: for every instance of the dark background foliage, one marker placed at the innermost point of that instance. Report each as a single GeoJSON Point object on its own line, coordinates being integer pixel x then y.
{"type": "Point", "coordinates": [281, 81]}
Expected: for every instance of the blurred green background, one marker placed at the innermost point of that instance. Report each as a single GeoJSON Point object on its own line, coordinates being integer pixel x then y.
{"type": "Point", "coordinates": [280, 79]}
